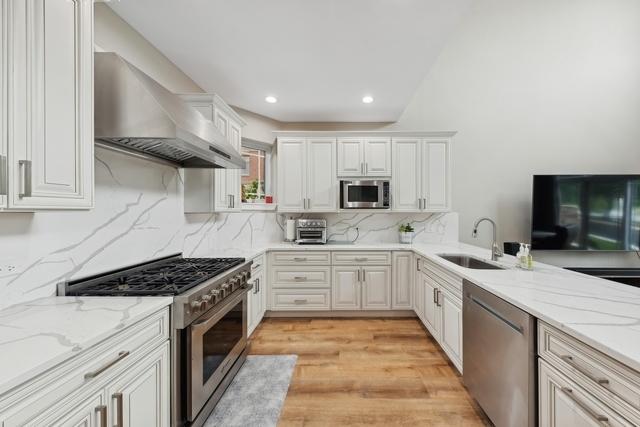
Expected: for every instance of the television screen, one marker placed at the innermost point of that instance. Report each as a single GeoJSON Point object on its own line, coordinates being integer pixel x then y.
{"type": "Point", "coordinates": [586, 212]}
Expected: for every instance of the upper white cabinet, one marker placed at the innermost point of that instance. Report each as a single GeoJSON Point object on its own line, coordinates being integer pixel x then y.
{"type": "Point", "coordinates": [214, 190]}
{"type": "Point", "coordinates": [369, 156]}
{"type": "Point", "coordinates": [47, 99]}
{"type": "Point", "coordinates": [307, 174]}
{"type": "Point", "coordinates": [421, 174]}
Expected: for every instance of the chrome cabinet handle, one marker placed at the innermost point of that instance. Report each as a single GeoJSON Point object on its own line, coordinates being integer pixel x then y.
{"type": "Point", "coordinates": [24, 169]}
{"type": "Point", "coordinates": [300, 301]}
{"type": "Point", "coordinates": [570, 361]}
{"type": "Point", "coordinates": [119, 410]}
{"type": "Point", "coordinates": [3, 176]}
{"type": "Point", "coordinates": [418, 264]}
{"type": "Point", "coordinates": [300, 278]}
{"type": "Point", "coordinates": [438, 303]}
{"type": "Point", "coordinates": [106, 366]}
{"type": "Point", "coordinates": [435, 296]}
{"type": "Point", "coordinates": [361, 259]}
{"type": "Point", "coordinates": [364, 276]}
{"type": "Point", "coordinates": [362, 168]}
{"type": "Point", "coordinates": [366, 168]}
{"type": "Point", "coordinates": [597, 417]}
{"type": "Point", "coordinates": [102, 412]}
{"type": "Point", "coordinates": [259, 285]}
{"type": "Point", "coordinates": [300, 259]}
{"type": "Point", "coordinates": [256, 266]}
{"type": "Point", "coordinates": [358, 275]}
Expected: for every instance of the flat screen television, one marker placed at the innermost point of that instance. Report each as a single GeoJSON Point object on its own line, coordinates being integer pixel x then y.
{"type": "Point", "coordinates": [586, 212]}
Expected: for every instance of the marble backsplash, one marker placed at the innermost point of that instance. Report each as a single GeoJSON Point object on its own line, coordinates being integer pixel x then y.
{"type": "Point", "coordinates": [138, 216]}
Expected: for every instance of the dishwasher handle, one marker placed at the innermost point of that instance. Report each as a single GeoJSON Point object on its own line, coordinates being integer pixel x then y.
{"type": "Point", "coordinates": [495, 313]}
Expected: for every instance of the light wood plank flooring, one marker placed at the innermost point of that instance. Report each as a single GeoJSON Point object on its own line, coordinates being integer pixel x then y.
{"type": "Point", "coordinates": [353, 372]}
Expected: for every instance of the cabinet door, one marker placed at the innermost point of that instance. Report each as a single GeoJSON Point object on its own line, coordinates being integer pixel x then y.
{"type": "Point", "coordinates": [562, 403]}
{"type": "Point", "coordinates": [402, 285]}
{"type": "Point", "coordinates": [51, 151]}
{"type": "Point", "coordinates": [292, 175]}
{"type": "Point", "coordinates": [376, 288]}
{"type": "Point", "coordinates": [418, 295]}
{"type": "Point", "coordinates": [435, 174]}
{"type": "Point", "coordinates": [407, 189]}
{"type": "Point", "coordinates": [256, 303]}
{"type": "Point", "coordinates": [140, 395]}
{"type": "Point", "coordinates": [377, 157]}
{"type": "Point", "coordinates": [451, 326]}
{"type": "Point", "coordinates": [431, 308]}
{"type": "Point", "coordinates": [3, 107]}
{"type": "Point", "coordinates": [83, 411]}
{"type": "Point", "coordinates": [321, 169]}
{"type": "Point", "coordinates": [345, 292]}
{"type": "Point", "coordinates": [350, 157]}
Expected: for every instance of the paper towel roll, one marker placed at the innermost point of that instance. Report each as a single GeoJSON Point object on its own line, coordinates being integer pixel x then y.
{"type": "Point", "coordinates": [290, 234]}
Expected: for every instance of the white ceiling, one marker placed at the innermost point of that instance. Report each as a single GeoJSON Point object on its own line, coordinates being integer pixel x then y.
{"type": "Point", "coordinates": [318, 57]}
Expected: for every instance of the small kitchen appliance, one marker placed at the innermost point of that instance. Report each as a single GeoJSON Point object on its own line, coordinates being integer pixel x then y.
{"type": "Point", "coordinates": [311, 231]}
{"type": "Point", "coordinates": [365, 194]}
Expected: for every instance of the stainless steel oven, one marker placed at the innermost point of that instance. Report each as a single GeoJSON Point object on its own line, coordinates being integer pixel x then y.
{"type": "Point", "coordinates": [214, 342]}
{"type": "Point", "coordinates": [365, 194]}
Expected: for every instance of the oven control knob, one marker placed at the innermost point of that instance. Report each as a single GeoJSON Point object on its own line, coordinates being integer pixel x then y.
{"type": "Point", "coordinates": [215, 295]}
{"type": "Point", "coordinates": [225, 289]}
{"type": "Point", "coordinates": [206, 299]}
{"type": "Point", "coordinates": [195, 306]}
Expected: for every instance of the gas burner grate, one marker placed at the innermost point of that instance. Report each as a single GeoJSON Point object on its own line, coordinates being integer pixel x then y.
{"type": "Point", "coordinates": [171, 277]}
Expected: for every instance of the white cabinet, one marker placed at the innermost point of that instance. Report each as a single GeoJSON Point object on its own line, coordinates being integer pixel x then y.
{"type": "Point", "coordinates": [367, 156]}
{"type": "Point", "coordinates": [402, 283]}
{"type": "Point", "coordinates": [307, 175]}
{"type": "Point", "coordinates": [49, 114]}
{"type": "Point", "coordinates": [450, 325]}
{"type": "Point", "coordinates": [346, 292]}
{"type": "Point", "coordinates": [257, 296]}
{"type": "Point", "coordinates": [214, 190]}
{"type": "Point", "coordinates": [376, 288]}
{"type": "Point", "coordinates": [419, 292]}
{"type": "Point", "coordinates": [361, 288]}
{"type": "Point", "coordinates": [563, 403]}
{"type": "Point", "coordinates": [85, 411]}
{"type": "Point", "coordinates": [140, 394]}
{"type": "Point", "coordinates": [431, 316]}
{"type": "Point", "coordinates": [421, 174]}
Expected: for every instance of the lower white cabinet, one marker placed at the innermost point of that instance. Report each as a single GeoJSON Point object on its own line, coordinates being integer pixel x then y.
{"type": "Point", "coordinates": [257, 296]}
{"type": "Point", "coordinates": [402, 283]}
{"type": "Point", "coordinates": [563, 403]}
{"type": "Point", "coordinates": [439, 307]}
{"type": "Point", "coordinates": [123, 381]}
{"type": "Point", "coordinates": [361, 288]}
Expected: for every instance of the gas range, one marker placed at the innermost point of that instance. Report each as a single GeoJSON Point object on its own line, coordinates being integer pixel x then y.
{"type": "Point", "coordinates": [208, 318]}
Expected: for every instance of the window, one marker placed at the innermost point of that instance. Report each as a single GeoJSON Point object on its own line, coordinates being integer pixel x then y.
{"type": "Point", "coordinates": [256, 176]}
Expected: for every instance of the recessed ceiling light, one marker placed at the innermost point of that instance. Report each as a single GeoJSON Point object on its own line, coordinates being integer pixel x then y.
{"type": "Point", "coordinates": [271, 99]}
{"type": "Point", "coordinates": [367, 99]}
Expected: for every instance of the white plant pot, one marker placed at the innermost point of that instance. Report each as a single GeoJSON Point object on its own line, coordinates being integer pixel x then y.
{"type": "Point", "coordinates": [406, 237]}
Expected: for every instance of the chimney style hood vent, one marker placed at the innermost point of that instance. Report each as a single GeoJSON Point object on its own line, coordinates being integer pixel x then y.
{"type": "Point", "coordinates": [136, 114]}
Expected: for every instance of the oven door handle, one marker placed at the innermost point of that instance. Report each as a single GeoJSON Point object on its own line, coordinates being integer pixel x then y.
{"type": "Point", "coordinates": [213, 318]}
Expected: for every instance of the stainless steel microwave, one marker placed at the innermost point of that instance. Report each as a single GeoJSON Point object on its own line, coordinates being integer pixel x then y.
{"type": "Point", "coordinates": [366, 194]}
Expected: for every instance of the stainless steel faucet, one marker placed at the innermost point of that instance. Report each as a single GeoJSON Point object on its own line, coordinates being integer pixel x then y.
{"type": "Point", "coordinates": [496, 252]}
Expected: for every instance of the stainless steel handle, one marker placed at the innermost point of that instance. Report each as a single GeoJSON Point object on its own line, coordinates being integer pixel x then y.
{"type": "Point", "coordinates": [497, 315]}
{"type": "Point", "coordinates": [300, 301]}
{"type": "Point", "coordinates": [256, 285]}
{"type": "Point", "coordinates": [24, 169]}
{"type": "Point", "coordinates": [102, 412]}
{"type": "Point", "coordinates": [255, 266]}
{"type": "Point", "coordinates": [119, 410]}
{"type": "Point", "coordinates": [364, 275]}
{"type": "Point", "coordinates": [362, 168]}
{"type": "Point", "coordinates": [438, 293]}
{"type": "Point", "coordinates": [418, 264]}
{"type": "Point", "coordinates": [435, 296]}
{"type": "Point", "coordinates": [300, 259]}
{"type": "Point", "coordinates": [362, 259]}
{"type": "Point", "coordinates": [358, 275]}
{"type": "Point", "coordinates": [569, 360]}
{"type": "Point", "coordinates": [366, 168]}
{"type": "Point", "coordinates": [300, 278]}
{"type": "Point", "coordinates": [597, 417]}
{"type": "Point", "coordinates": [259, 284]}
{"type": "Point", "coordinates": [106, 366]}
{"type": "Point", "coordinates": [3, 175]}
{"type": "Point", "coordinates": [424, 203]}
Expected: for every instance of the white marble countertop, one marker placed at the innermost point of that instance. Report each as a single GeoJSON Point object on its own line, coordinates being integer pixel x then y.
{"type": "Point", "coordinates": [601, 313]}
{"type": "Point", "coordinates": [40, 334]}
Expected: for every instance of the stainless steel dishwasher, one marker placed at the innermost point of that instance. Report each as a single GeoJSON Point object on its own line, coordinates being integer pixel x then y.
{"type": "Point", "coordinates": [499, 356]}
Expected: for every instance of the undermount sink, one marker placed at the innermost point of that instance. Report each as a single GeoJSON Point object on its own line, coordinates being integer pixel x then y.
{"type": "Point", "coordinates": [467, 261]}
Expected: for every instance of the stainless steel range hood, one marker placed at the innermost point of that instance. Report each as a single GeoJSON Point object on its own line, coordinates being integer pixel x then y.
{"type": "Point", "coordinates": [136, 114]}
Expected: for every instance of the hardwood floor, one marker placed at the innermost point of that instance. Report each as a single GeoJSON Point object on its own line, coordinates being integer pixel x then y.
{"type": "Point", "coordinates": [353, 372]}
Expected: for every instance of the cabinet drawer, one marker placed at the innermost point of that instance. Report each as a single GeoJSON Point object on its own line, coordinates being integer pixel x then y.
{"type": "Point", "coordinates": [305, 258]}
{"type": "Point", "coordinates": [300, 277]}
{"type": "Point", "coordinates": [562, 402]}
{"type": "Point", "coordinates": [613, 382]}
{"type": "Point", "coordinates": [300, 299]}
{"type": "Point", "coordinates": [443, 276]}
{"type": "Point", "coordinates": [361, 258]}
{"type": "Point", "coordinates": [35, 397]}
{"type": "Point", "coordinates": [257, 265]}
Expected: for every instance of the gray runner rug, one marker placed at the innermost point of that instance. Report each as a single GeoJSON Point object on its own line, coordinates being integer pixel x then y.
{"type": "Point", "coordinates": [256, 395]}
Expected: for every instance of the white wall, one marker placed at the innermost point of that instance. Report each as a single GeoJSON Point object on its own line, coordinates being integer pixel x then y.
{"type": "Point", "coordinates": [113, 34]}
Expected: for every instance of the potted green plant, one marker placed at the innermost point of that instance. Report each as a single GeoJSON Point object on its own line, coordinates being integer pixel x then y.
{"type": "Point", "coordinates": [406, 233]}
